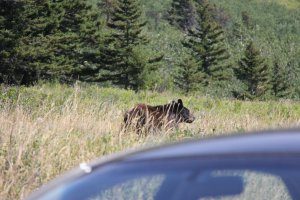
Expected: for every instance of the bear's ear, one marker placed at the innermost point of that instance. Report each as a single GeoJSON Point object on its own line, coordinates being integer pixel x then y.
{"type": "Point", "coordinates": [180, 103]}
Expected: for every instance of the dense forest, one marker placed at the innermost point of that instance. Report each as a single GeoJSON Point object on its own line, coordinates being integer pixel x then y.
{"type": "Point", "coordinates": [225, 48]}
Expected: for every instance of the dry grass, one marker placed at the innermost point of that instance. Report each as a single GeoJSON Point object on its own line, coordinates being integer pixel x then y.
{"type": "Point", "coordinates": [46, 130]}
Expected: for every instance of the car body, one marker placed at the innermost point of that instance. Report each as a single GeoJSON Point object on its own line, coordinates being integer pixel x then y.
{"type": "Point", "coordinates": [262, 165]}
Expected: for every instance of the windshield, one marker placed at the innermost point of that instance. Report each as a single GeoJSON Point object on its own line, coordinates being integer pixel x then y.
{"type": "Point", "coordinates": [186, 179]}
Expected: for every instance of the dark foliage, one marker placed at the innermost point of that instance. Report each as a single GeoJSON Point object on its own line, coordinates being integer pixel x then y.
{"type": "Point", "coordinates": [181, 14]}
{"type": "Point", "coordinates": [254, 72]}
{"type": "Point", "coordinates": [207, 43]}
{"type": "Point", "coordinates": [120, 57]}
{"type": "Point", "coordinates": [189, 78]}
{"type": "Point", "coordinates": [280, 83]}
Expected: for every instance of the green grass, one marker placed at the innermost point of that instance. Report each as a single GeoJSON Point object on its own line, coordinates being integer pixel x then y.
{"type": "Point", "coordinates": [291, 4]}
{"type": "Point", "coordinates": [50, 128]}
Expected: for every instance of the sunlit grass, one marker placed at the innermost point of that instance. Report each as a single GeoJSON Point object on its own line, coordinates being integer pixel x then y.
{"type": "Point", "coordinates": [291, 4]}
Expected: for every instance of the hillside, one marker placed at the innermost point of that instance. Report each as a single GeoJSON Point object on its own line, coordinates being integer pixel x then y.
{"type": "Point", "coordinates": [274, 27]}
{"type": "Point", "coordinates": [80, 41]}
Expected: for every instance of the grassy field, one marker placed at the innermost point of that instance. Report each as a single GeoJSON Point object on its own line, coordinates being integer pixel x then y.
{"type": "Point", "coordinates": [50, 128]}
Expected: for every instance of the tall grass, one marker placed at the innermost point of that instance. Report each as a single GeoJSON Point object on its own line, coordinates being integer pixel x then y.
{"type": "Point", "coordinates": [50, 128]}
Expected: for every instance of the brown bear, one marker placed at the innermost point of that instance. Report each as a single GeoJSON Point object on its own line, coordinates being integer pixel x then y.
{"type": "Point", "coordinates": [151, 118]}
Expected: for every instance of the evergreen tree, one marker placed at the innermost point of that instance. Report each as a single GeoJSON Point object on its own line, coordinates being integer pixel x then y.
{"type": "Point", "coordinates": [79, 35]}
{"type": "Point", "coordinates": [107, 8]}
{"type": "Point", "coordinates": [121, 59]}
{"type": "Point", "coordinates": [57, 38]}
{"type": "Point", "coordinates": [293, 76]}
{"type": "Point", "coordinates": [11, 26]}
{"type": "Point", "coordinates": [280, 82]}
{"type": "Point", "coordinates": [254, 73]}
{"type": "Point", "coordinates": [207, 43]}
{"type": "Point", "coordinates": [30, 23]}
{"type": "Point", "coordinates": [36, 51]}
{"type": "Point", "coordinates": [188, 78]}
{"type": "Point", "coordinates": [181, 14]}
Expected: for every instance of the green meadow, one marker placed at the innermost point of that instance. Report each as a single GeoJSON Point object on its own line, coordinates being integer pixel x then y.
{"type": "Point", "coordinates": [50, 128]}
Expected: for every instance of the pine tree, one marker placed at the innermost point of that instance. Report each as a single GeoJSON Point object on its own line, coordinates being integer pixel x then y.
{"type": "Point", "coordinates": [34, 25]}
{"type": "Point", "coordinates": [254, 73]}
{"type": "Point", "coordinates": [58, 38]}
{"type": "Point", "coordinates": [11, 26]}
{"type": "Point", "coordinates": [207, 43]}
{"type": "Point", "coordinates": [107, 8]}
{"type": "Point", "coordinates": [280, 82]}
{"type": "Point", "coordinates": [36, 51]}
{"type": "Point", "coordinates": [188, 78]}
{"type": "Point", "coordinates": [293, 71]}
{"type": "Point", "coordinates": [181, 14]}
{"type": "Point", "coordinates": [121, 57]}
{"type": "Point", "coordinates": [30, 25]}
{"type": "Point", "coordinates": [79, 35]}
